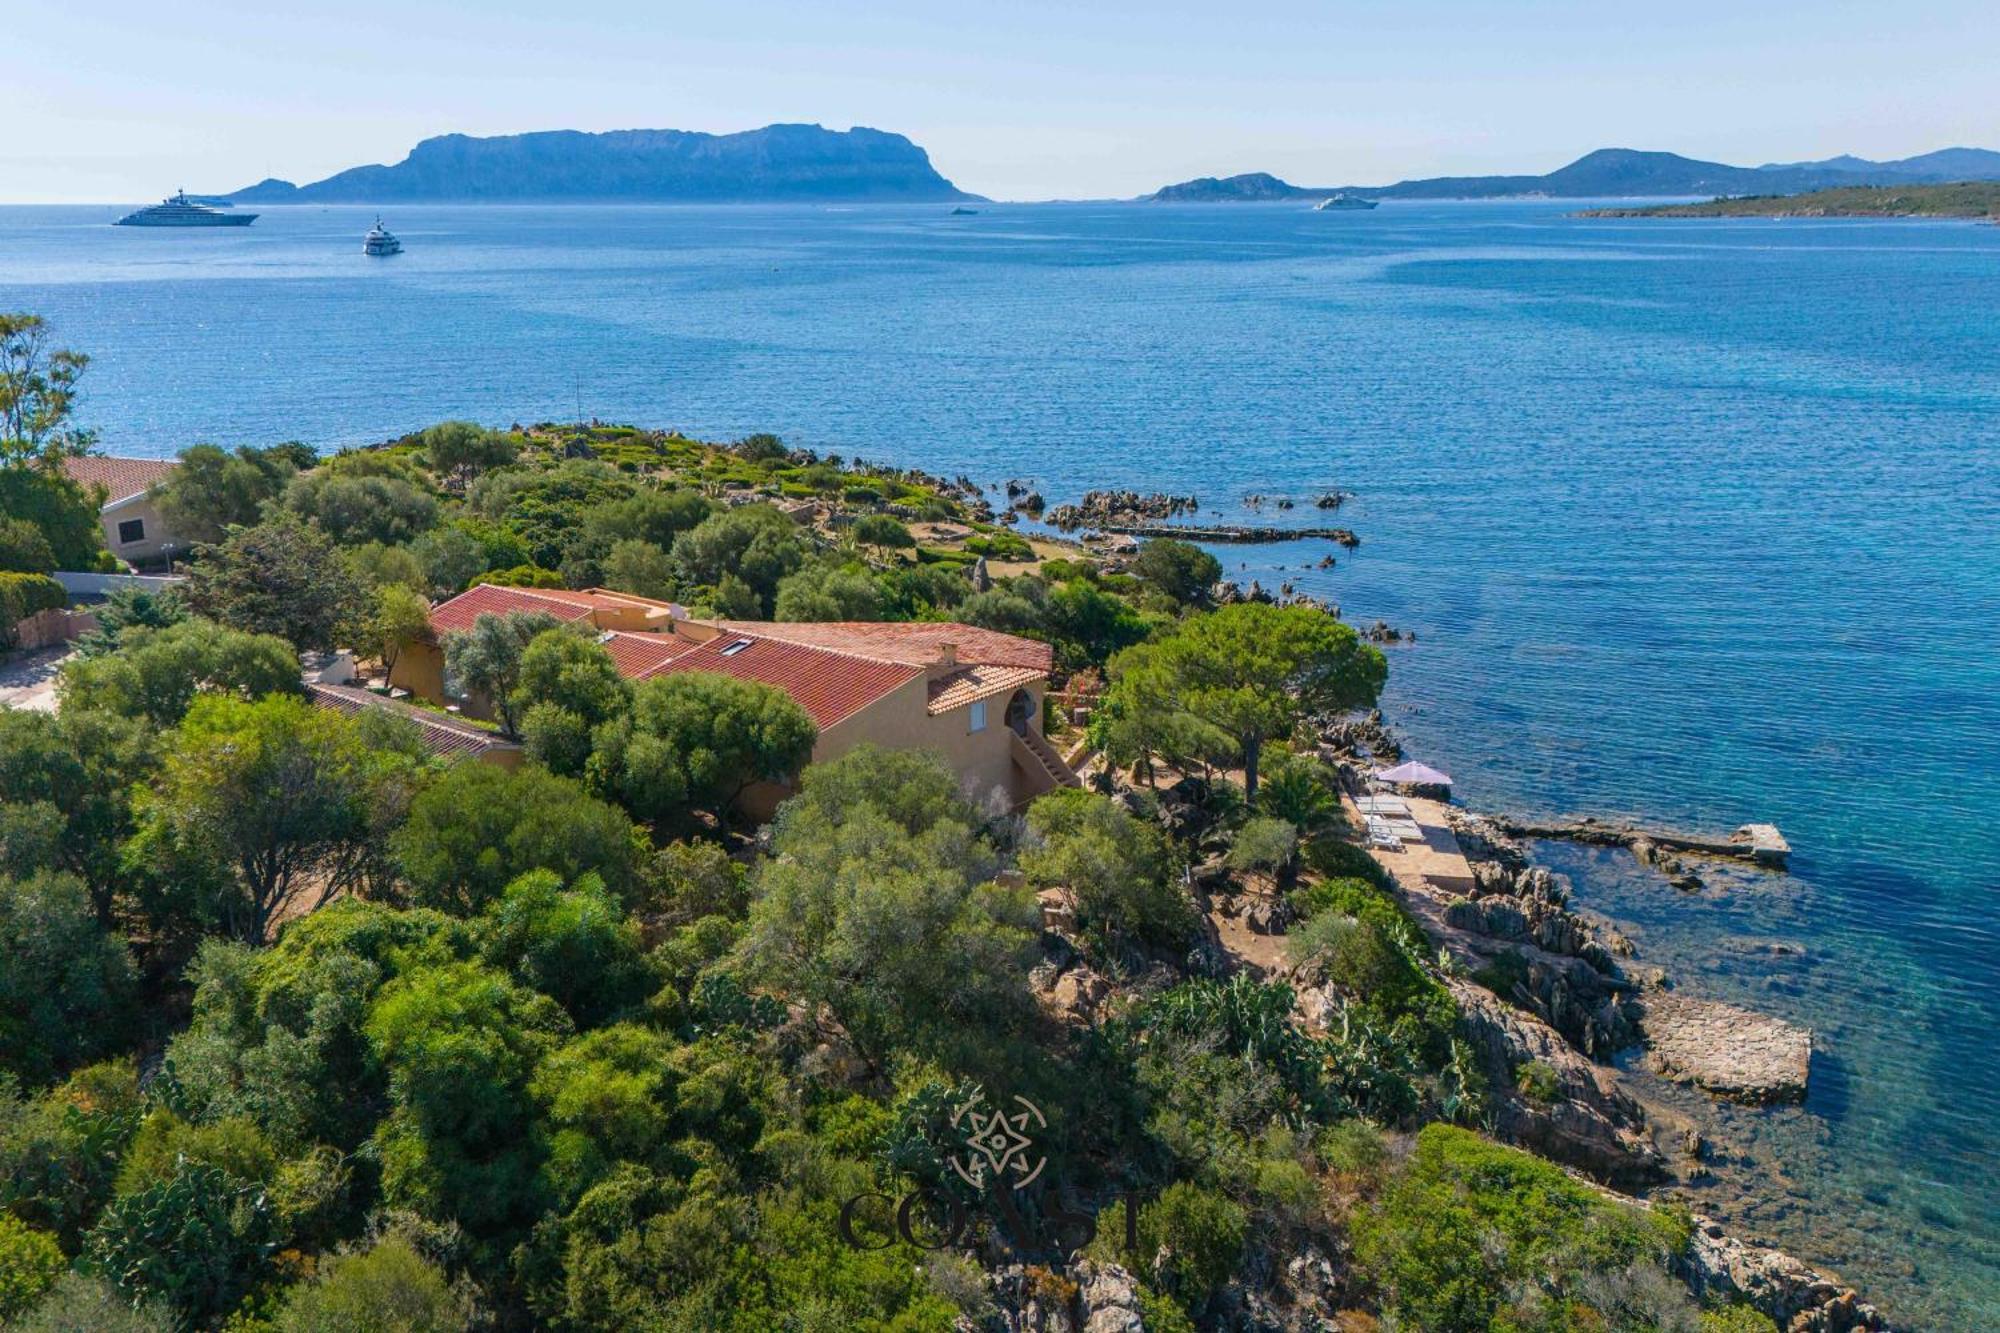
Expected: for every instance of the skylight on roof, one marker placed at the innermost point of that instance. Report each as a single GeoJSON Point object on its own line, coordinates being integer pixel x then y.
{"type": "Point", "coordinates": [736, 647]}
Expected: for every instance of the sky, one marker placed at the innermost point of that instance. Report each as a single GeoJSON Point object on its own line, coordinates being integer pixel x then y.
{"type": "Point", "coordinates": [126, 100]}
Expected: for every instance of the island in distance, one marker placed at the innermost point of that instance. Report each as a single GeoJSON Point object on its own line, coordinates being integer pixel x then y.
{"type": "Point", "coordinates": [778, 162]}
{"type": "Point", "coordinates": [1617, 172]}
{"type": "Point", "coordinates": [1967, 199]}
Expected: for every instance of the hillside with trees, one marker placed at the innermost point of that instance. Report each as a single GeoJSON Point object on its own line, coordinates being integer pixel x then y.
{"type": "Point", "coordinates": [304, 1027]}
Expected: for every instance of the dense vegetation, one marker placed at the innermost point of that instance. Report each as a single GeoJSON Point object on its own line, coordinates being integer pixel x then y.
{"type": "Point", "coordinates": [302, 1028]}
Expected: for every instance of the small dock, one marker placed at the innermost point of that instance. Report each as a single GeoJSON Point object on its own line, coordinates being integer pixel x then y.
{"type": "Point", "coordinates": [1759, 844]}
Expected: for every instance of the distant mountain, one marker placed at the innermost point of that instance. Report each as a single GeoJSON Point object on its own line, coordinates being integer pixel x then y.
{"type": "Point", "coordinates": [1624, 172]}
{"type": "Point", "coordinates": [1946, 164]}
{"type": "Point", "coordinates": [778, 162]}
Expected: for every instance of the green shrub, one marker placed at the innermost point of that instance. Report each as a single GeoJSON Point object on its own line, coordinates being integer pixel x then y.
{"type": "Point", "coordinates": [60, 1152]}
{"type": "Point", "coordinates": [1335, 859]}
{"type": "Point", "coordinates": [1468, 1224]}
{"type": "Point", "coordinates": [67, 985]}
{"type": "Point", "coordinates": [1203, 1232]}
{"type": "Point", "coordinates": [1000, 545]}
{"type": "Point", "coordinates": [1355, 1149]}
{"type": "Point", "coordinates": [82, 1304]}
{"type": "Point", "coordinates": [1736, 1319]}
{"type": "Point", "coordinates": [30, 1263]}
{"type": "Point", "coordinates": [234, 1144]}
{"type": "Point", "coordinates": [24, 595]}
{"type": "Point", "coordinates": [196, 1241]}
{"type": "Point", "coordinates": [388, 1286]}
{"type": "Point", "coordinates": [1537, 1082]}
{"type": "Point", "coordinates": [522, 576]}
{"type": "Point", "coordinates": [23, 548]}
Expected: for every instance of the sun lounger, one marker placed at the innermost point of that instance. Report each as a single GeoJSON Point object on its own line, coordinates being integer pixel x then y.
{"type": "Point", "coordinates": [1406, 829]}
{"type": "Point", "coordinates": [1383, 805]}
{"type": "Point", "coordinates": [1381, 835]}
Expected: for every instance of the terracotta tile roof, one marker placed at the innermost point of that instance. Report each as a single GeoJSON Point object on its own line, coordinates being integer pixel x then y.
{"type": "Point", "coordinates": [639, 654]}
{"type": "Point", "coordinates": [964, 685]}
{"type": "Point", "coordinates": [443, 735]}
{"type": "Point", "coordinates": [493, 599]}
{"type": "Point", "coordinates": [830, 686]}
{"type": "Point", "coordinates": [916, 643]}
{"type": "Point", "coordinates": [121, 478]}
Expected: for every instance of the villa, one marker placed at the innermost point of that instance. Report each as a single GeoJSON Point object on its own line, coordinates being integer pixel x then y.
{"type": "Point", "coordinates": [974, 695]}
{"type": "Point", "coordinates": [134, 531]}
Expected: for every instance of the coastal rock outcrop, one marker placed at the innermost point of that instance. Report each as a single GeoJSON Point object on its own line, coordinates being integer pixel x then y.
{"type": "Point", "coordinates": [1721, 1267]}
{"type": "Point", "coordinates": [1091, 1298]}
{"type": "Point", "coordinates": [1361, 739]}
{"type": "Point", "coordinates": [1731, 1052]}
{"type": "Point", "coordinates": [1108, 508]}
{"type": "Point", "coordinates": [1588, 1123]}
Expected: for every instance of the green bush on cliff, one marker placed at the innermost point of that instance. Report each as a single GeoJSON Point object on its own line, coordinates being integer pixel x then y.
{"type": "Point", "coordinates": [1468, 1226]}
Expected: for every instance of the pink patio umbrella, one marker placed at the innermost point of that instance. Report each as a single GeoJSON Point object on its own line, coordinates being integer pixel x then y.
{"type": "Point", "coordinates": [1414, 774]}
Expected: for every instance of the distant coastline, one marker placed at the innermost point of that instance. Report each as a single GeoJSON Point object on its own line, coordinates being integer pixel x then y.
{"type": "Point", "coordinates": [1619, 173]}
{"type": "Point", "coordinates": [1967, 199]}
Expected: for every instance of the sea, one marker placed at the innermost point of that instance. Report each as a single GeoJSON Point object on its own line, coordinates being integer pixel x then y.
{"type": "Point", "coordinates": [1695, 522]}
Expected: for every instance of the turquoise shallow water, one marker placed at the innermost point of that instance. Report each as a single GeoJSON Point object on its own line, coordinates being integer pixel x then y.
{"type": "Point", "coordinates": [1696, 521]}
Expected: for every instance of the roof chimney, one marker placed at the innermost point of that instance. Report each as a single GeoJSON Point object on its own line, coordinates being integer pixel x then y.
{"type": "Point", "coordinates": [947, 654]}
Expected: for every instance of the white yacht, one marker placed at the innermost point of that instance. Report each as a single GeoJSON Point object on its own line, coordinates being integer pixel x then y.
{"type": "Point", "coordinates": [1334, 201]}
{"type": "Point", "coordinates": [177, 210]}
{"type": "Point", "coordinates": [380, 242]}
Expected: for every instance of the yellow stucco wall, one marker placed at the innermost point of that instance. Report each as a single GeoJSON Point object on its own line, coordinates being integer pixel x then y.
{"type": "Point", "coordinates": [420, 670]}
{"type": "Point", "coordinates": [984, 760]}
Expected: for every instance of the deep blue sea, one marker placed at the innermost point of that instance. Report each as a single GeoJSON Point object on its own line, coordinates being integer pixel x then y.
{"type": "Point", "coordinates": [1696, 521]}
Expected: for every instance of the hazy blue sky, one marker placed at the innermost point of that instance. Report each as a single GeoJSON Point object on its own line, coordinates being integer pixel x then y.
{"type": "Point", "coordinates": [125, 99]}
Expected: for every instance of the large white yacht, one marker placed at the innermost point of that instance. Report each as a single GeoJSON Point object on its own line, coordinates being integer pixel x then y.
{"type": "Point", "coordinates": [379, 241]}
{"type": "Point", "coordinates": [177, 210]}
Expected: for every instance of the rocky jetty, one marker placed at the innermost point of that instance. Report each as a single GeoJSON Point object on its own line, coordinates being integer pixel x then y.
{"type": "Point", "coordinates": [1731, 1052]}
{"type": "Point", "coordinates": [1759, 844]}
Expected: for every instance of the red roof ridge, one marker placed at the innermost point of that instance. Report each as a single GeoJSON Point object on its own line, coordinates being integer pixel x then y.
{"type": "Point", "coordinates": [732, 634]}
{"type": "Point", "coordinates": [829, 696]}
{"type": "Point", "coordinates": [975, 643]}
{"type": "Point", "coordinates": [121, 478]}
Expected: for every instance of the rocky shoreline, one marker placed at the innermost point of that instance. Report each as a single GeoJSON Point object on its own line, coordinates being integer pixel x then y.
{"type": "Point", "coordinates": [1542, 986]}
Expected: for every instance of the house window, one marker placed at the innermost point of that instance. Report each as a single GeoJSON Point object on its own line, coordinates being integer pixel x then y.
{"type": "Point", "coordinates": [975, 716]}
{"type": "Point", "coordinates": [131, 530]}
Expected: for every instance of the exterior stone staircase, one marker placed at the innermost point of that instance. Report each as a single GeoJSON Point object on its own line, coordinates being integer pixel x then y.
{"type": "Point", "coordinates": [1040, 761]}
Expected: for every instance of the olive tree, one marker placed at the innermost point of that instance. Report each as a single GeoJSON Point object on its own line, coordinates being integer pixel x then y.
{"type": "Point", "coordinates": [486, 659]}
